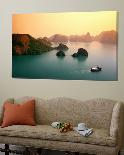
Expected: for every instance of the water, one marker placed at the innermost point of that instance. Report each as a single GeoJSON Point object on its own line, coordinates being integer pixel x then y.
{"type": "Point", "coordinates": [49, 66]}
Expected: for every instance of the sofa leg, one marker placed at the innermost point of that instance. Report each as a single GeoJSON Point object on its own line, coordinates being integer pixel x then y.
{"type": "Point", "coordinates": [39, 151]}
{"type": "Point", "coordinates": [76, 153]}
{"type": "Point", "coordinates": [27, 151]}
{"type": "Point", "coordinates": [67, 152]}
{"type": "Point", "coordinates": [7, 149]}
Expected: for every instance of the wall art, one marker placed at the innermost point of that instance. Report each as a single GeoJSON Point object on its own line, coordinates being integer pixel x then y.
{"type": "Point", "coordinates": [65, 46]}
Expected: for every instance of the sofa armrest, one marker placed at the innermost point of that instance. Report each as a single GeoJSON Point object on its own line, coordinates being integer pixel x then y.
{"type": "Point", "coordinates": [117, 122]}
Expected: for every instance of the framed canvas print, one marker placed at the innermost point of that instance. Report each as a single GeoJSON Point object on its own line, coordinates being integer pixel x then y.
{"type": "Point", "coordinates": [65, 46]}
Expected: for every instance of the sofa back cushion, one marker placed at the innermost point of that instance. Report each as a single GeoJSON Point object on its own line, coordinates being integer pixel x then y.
{"type": "Point", "coordinates": [95, 113]}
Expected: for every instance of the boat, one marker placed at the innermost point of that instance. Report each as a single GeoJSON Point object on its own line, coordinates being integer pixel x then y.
{"type": "Point", "coordinates": [96, 69]}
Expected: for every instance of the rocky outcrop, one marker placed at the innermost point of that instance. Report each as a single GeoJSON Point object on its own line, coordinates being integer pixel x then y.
{"type": "Point", "coordinates": [61, 47]}
{"type": "Point", "coordinates": [81, 52]}
{"type": "Point", "coordinates": [20, 43]}
{"type": "Point", "coordinates": [24, 44]}
{"type": "Point", "coordinates": [60, 54]}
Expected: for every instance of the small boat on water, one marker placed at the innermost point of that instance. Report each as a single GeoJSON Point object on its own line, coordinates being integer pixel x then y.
{"type": "Point", "coordinates": [96, 69]}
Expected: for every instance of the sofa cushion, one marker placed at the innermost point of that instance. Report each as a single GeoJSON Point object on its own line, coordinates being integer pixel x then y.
{"type": "Point", "coordinates": [45, 132]}
{"type": "Point", "coordinates": [96, 113]}
{"type": "Point", "coordinates": [19, 114]}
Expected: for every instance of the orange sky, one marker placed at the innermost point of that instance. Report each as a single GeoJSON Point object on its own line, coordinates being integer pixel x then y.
{"type": "Point", "coordinates": [47, 24]}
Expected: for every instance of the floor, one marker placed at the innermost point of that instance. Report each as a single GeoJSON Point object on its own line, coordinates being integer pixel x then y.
{"type": "Point", "coordinates": [45, 152]}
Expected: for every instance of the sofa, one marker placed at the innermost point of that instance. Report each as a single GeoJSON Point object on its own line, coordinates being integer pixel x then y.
{"type": "Point", "coordinates": [103, 115]}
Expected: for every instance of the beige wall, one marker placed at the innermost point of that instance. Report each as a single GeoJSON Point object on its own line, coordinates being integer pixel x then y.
{"type": "Point", "coordinates": [52, 88]}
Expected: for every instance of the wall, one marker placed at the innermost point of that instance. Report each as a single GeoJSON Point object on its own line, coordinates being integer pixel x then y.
{"type": "Point", "coordinates": [52, 88]}
{"type": "Point", "coordinates": [10, 87]}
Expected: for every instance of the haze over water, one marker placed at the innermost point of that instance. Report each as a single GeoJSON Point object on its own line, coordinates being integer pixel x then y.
{"type": "Point", "coordinates": [49, 66]}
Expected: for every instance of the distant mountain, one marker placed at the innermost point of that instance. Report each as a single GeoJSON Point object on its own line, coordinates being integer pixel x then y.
{"type": "Point", "coordinates": [104, 37]}
{"type": "Point", "coordinates": [58, 38]}
{"type": "Point", "coordinates": [109, 37]}
{"type": "Point", "coordinates": [25, 44]}
{"type": "Point", "coordinates": [81, 38]}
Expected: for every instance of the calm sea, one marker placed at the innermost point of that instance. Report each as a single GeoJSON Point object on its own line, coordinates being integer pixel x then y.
{"type": "Point", "coordinates": [49, 66]}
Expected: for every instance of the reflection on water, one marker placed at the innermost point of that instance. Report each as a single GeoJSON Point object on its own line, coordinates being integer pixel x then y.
{"type": "Point", "coordinates": [49, 66]}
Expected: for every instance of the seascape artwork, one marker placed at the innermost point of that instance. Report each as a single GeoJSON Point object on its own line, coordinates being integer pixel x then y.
{"type": "Point", "coordinates": [65, 46]}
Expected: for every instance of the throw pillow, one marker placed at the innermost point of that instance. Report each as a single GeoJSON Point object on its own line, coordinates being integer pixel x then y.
{"type": "Point", "coordinates": [10, 100]}
{"type": "Point", "coordinates": [19, 114]}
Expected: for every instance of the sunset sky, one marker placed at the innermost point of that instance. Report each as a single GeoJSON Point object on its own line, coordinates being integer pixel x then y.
{"type": "Point", "coordinates": [77, 23]}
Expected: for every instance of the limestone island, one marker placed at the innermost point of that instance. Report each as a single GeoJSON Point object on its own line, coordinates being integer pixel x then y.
{"type": "Point", "coordinates": [61, 47]}
{"type": "Point", "coordinates": [60, 54]}
{"type": "Point", "coordinates": [25, 44]}
{"type": "Point", "coordinates": [81, 53]}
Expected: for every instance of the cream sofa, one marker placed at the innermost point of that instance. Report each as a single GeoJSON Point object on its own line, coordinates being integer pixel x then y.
{"type": "Point", "coordinates": [103, 115]}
